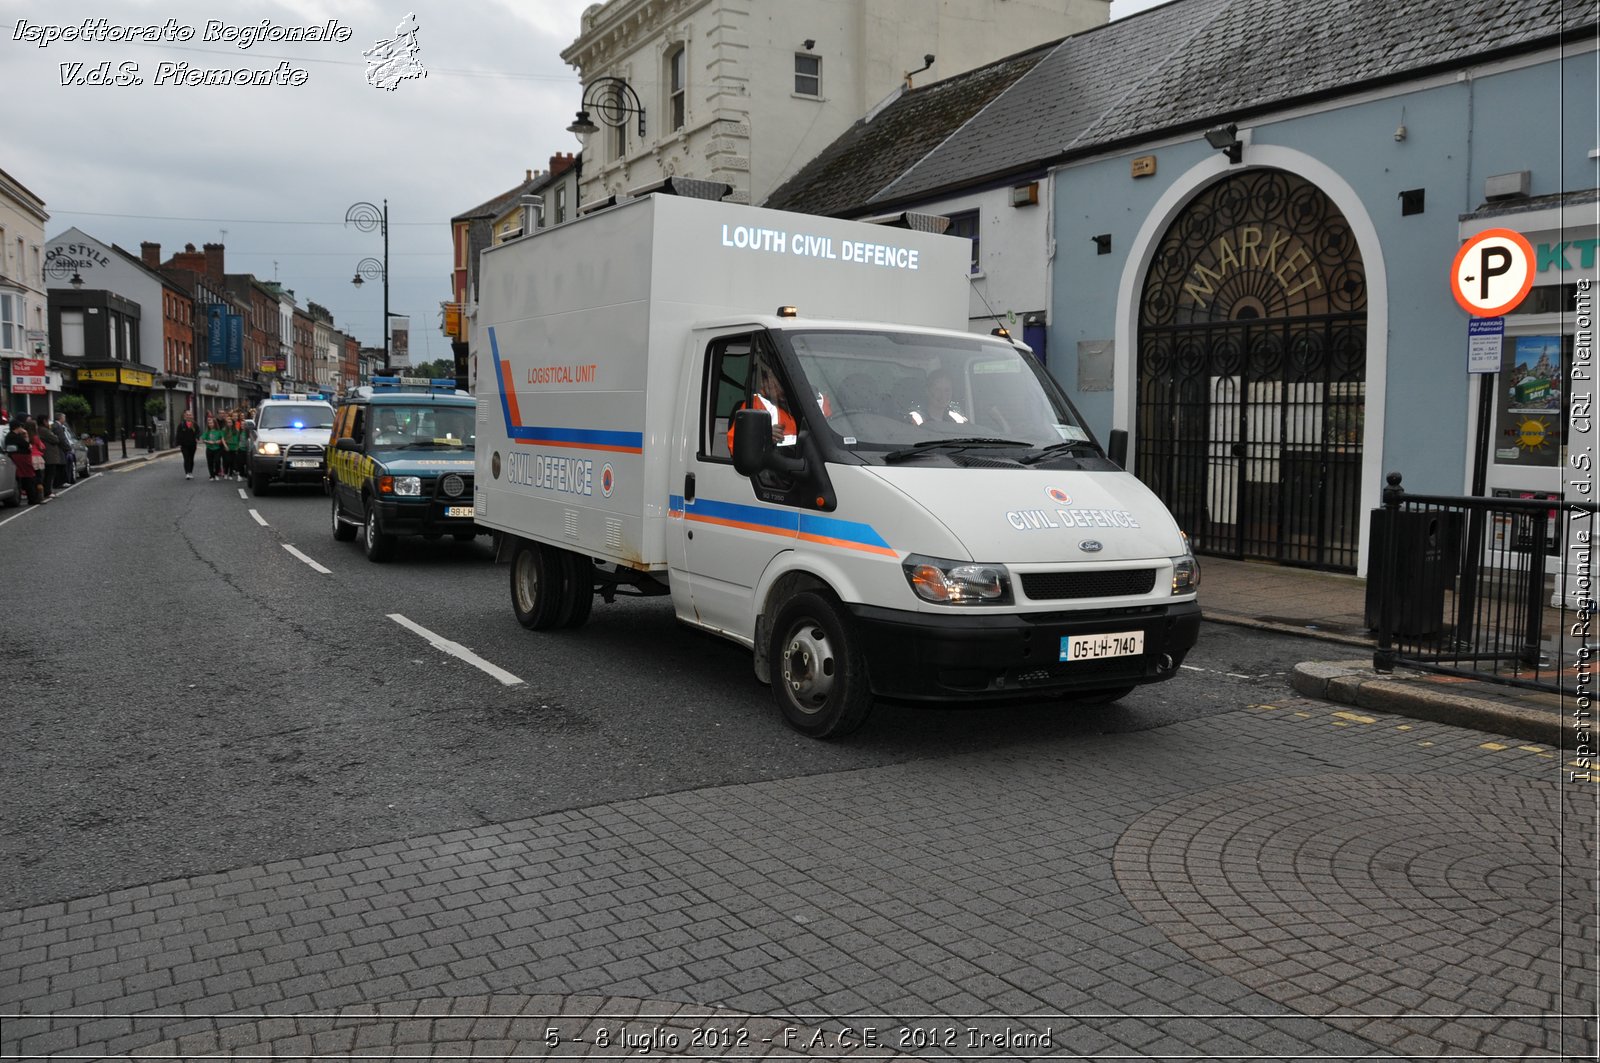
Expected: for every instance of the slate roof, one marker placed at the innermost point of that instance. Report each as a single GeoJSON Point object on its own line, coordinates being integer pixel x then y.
{"type": "Point", "coordinates": [497, 206]}
{"type": "Point", "coordinates": [1190, 64]}
{"type": "Point", "coordinates": [874, 152]}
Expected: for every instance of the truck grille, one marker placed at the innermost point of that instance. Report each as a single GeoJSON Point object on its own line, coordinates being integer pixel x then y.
{"type": "Point", "coordinates": [1047, 586]}
{"type": "Point", "coordinates": [305, 450]}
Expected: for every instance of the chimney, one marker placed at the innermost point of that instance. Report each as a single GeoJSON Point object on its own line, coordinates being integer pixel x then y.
{"type": "Point", "coordinates": [214, 254]}
{"type": "Point", "coordinates": [150, 254]}
{"type": "Point", "coordinates": [561, 162]}
{"type": "Point", "coordinates": [529, 176]}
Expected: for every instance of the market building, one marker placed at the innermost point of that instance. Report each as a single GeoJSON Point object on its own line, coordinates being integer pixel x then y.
{"type": "Point", "coordinates": [1251, 211]}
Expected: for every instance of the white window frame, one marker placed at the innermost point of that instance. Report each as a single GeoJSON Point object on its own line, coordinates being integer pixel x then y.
{"type": "Point", "coordinates": [677, 87]}
{"type": "Point", "coordinates": [814, 75]}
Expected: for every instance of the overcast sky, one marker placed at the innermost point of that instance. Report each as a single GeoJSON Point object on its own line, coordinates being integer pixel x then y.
{"type": "Point", "coordinates": [270, 170]}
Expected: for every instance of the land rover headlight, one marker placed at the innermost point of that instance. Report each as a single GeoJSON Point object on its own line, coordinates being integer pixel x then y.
{"type": "Point", "coordinates": [1185, 570]}
{"type": "Point", "coordinates": [408, 485]}
{"type": "Point", "coordinates": [957, 582]}
{"type": "Point", "coordinates": [266, 448]}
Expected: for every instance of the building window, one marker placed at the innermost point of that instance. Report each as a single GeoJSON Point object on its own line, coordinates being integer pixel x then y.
{"type": "Point", "coordinates": [561, 204]}
{"type": "Point", "coordinates": [72, 333]}
{"type": "Point", "coordinates": [966, 224]}
{"type": "Point", "coordinates": [12, 322]}
{"type": "Point", "coordinates": [807, 74]}
{"type": "Point", "coordinates": [619, 139]}
{"type": "Point", "coordinates": [677, 85]}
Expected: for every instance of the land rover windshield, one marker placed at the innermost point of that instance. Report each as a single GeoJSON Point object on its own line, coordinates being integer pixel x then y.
{"type": "Point", "coordinates": [295, 415]}
{"type": "Point", "coordinates": [891, 395]}
{"type": "Point", "coordinates": [408, 426]}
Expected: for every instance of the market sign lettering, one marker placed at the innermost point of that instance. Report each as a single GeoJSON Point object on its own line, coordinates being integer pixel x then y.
{"type": "Point", "coordinates": [1274, 252]}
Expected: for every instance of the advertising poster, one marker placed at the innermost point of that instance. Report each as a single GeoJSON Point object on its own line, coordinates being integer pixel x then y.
{"type": "Point", "coordinates": [1528, 429]}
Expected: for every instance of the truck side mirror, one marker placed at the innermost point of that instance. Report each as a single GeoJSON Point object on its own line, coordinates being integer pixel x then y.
{"type": "Point", "coordinates": [348, 444]}
{"type": "Point", "coordinates": [752, 441]}
{"type": "Point", "coordinates": [753, 449]}
{"type": "Point", "coordinates": [1118, 450]}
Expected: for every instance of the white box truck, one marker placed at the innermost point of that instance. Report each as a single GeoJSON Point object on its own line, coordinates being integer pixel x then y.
{"type": "Point", "coordinates": [780, 421]}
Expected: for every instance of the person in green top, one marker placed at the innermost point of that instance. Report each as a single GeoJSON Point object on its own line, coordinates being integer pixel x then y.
{"type": "Point", "coordinates": [233, 436]}
{"type": "Point", "coordinates": [212, 438]}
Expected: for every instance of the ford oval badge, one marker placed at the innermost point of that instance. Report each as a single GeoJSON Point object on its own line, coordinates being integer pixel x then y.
{"type": "Point", "coordinates": [1090, 546]}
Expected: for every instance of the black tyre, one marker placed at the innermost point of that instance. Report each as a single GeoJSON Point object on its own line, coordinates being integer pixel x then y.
{"type": "Point", "coordinates": [379, 544]}
{"type": "Point", "coordinates": [343, 531]}
{"type": "Point", "coordinates": [819, 676]}
{"type": "Point", "coordinates": [580, 590]}
{"type": "Point", "coordinates": [258, 483]}
{"type": "Point", "coordinates": [537, 585]}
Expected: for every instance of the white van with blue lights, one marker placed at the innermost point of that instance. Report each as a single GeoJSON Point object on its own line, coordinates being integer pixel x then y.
{"type": "Point", "coordinates": [288, 440]}
{"type": "Point", "coordinates": [781, 422]}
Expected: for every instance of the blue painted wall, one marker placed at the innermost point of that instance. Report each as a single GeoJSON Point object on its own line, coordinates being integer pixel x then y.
{"type": "Point", "coordinates": [1539, 118]}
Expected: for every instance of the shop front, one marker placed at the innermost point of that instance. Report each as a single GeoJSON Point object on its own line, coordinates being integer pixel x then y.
{"type": "Point", "coordinates": [116, 395]}
{"type": "Point", "coordinates": [1540, 417]}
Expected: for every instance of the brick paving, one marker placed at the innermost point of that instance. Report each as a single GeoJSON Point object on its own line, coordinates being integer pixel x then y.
{"type": "Point", "coordinates": [1285, 881]}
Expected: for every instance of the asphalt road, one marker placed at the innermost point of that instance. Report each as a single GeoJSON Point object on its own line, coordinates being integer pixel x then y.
{"type": "Point", "coordinates": [190, 695]}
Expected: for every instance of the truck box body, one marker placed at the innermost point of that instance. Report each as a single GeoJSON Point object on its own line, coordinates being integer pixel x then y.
{"type": "Point", "coordinates": [586, 327]}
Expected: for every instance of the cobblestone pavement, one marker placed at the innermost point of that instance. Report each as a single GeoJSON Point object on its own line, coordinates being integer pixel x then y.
{"type": "Point", "coordinates": [1287, 881]}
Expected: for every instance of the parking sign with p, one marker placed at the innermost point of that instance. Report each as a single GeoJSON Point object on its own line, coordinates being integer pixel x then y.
{"type": "Point", "coordinates": [1492, 272]}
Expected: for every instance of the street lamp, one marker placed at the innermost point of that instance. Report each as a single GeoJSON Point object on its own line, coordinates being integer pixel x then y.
{"type": "Point", "coordinates": [367, 217]}
{"type": "Point", "coordinates": [611, 98]}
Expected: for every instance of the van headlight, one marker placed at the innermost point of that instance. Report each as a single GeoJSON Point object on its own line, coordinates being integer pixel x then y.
{"type": "Point", "coordinates": [1185, 570]}
{"type": "Point", "coordinates": [266, 448]}
{"type": "Point", "coordinates": [957, 582]}
{"type": "Point", "coordinates": [408, 485]}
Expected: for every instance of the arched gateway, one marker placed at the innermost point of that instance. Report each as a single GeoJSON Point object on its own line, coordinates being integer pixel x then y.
{"type": "Point", "coordinates": [1252, 373]}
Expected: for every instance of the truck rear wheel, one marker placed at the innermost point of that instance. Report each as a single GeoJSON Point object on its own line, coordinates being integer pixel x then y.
{"type": "Point", "coordinates": [579, 596]}
{"type": "Point", "coordinates": [538, 578]}
{"type": "Point", "coordinates": [819, 677]}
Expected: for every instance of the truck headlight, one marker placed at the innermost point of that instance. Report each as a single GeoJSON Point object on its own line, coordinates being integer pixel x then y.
{"type": "Point", "coordinates": [1185, 575]}
{"type": "Point", "coordinates": [266, 448]}
{"type": "Point", "coordinates": [957, 582]}
{"type": "Point", "coordinates": [408, 485]}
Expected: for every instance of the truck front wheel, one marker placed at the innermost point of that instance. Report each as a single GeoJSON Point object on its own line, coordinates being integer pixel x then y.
{"type": "Point", "coordinates": [538, 578]}
{"type": "Point", "coordinates": [819, 676]}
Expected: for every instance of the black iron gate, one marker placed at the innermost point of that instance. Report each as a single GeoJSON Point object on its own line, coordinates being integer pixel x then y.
{"type": "Point", "coordinates": [1252, 373]}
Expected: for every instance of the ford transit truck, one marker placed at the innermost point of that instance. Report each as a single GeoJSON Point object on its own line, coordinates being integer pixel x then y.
{"type": "Point", "coordinates": [782, 423]}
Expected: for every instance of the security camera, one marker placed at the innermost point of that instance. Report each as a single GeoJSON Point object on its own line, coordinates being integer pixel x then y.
{"type": "Point", "coordinates": [1400, 132]}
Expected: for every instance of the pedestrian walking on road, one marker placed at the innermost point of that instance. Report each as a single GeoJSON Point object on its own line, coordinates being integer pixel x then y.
{"type": "Point", "coordinates": [55, 460]}
{"type": "Point", "coordinates": [18, 446]}
{"type": "Point", "coordinates": [216, 451]}
{"type": "Point", "coordinates": [188, 438]}
{"type": "Point", "coordinates": [233, 433]}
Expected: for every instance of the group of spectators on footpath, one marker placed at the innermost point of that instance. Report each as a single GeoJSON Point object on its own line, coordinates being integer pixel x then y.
{"type": "Point", "coordinates": [38, 449]}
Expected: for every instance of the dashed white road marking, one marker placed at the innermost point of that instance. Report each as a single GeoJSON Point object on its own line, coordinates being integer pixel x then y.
{"type": "Point", "coordinates": [455, 649]}
{"type": "Point", "coordinates": [259, 518]}
{"type": "Point", "coordinates": [307, 560]}
{"type": "Point", "coordinates": [243, 495]}
{"type": "Point", "coordinates": [1230, 675]}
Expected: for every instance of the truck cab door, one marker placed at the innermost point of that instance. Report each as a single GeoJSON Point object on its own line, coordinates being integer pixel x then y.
{"type": "Point", "coordinates": [731, 526]}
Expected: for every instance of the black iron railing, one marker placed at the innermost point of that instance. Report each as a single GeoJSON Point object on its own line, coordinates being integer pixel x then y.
{"type": "Point", "coordinates": [1487, 588]}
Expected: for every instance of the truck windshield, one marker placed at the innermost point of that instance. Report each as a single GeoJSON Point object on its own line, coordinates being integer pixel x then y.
{"type": "Point", "coordinates": [308, 415]}
{"type": "Point", "coordinates": [888, 391]}
{"type": "Point", "coordinates": [422, 425]}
